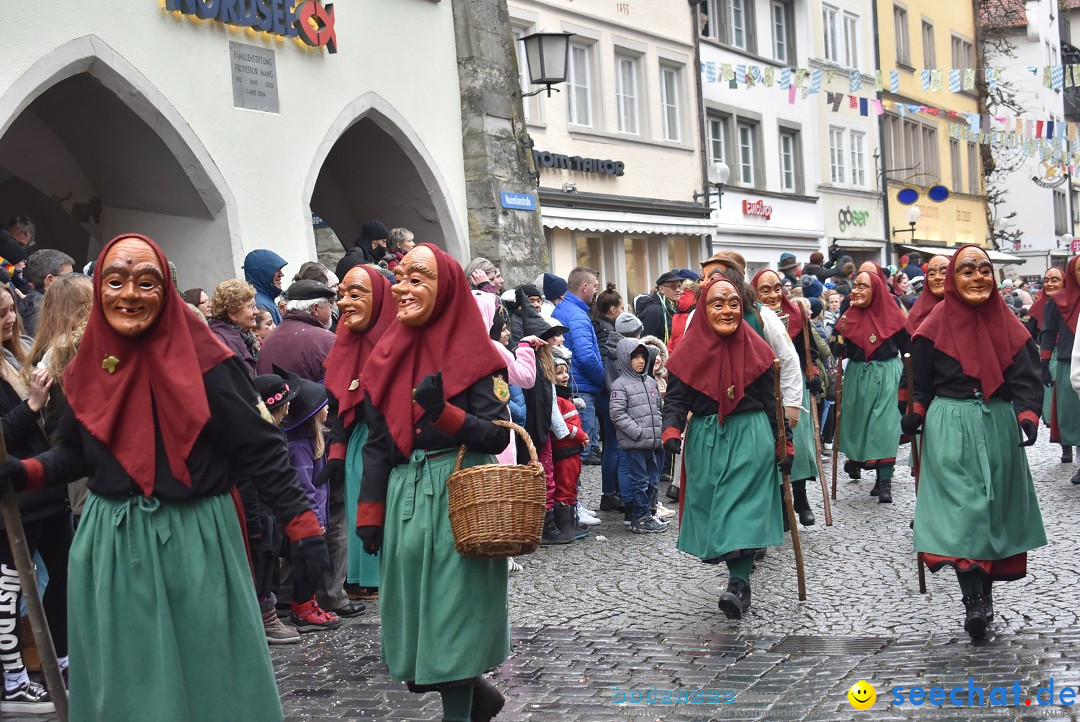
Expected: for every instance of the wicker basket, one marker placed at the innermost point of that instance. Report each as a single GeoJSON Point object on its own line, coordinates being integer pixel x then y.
{"type": "Point", "coordinates": [497, 510]}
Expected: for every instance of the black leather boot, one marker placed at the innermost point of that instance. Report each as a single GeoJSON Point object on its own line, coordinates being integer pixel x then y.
{"type": "Point", "coordinates": [1066, 454]}
{"type": "Point", "coordinates": [486, 701]}
{"type": "Point", "coordinates": [884, 495]}
{"type": "Point", "coordinates": [673, 491]}
{"type": "Point", "coordinates": [802, 506]}
{"type": "Point", "coordinates": [552, 534]}
{"type": "Point", "coordinates": [610, 502]}
{"type": "Point", "coordinates": [567, 522]}
{"type": "Point", "coordinates": [975, 621]}
{"type": "Point", "coordinates": [988, 595]}
{"type": "Point", "coordinates": [853, 469]}
{"type": "Point", "coordinates": [1076, 477]}
{"type": "Point", "coordinates": [735, 601]}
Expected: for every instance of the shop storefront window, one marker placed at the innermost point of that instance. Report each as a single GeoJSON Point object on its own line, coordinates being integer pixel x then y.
{"type": "Point", "coordinates": [588, 252]}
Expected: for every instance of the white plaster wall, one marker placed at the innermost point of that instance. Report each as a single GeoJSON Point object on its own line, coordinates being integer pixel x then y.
{"type": "Point", "coordinates": [402, 52]}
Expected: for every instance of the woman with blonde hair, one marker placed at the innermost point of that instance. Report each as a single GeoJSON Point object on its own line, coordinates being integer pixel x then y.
{"type": "Point", "coordinates": [233, 318]}
{"type": "Point", "coordinates": [62, 319]}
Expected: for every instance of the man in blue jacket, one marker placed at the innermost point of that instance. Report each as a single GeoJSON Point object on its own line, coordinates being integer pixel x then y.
{"type": "Point", "coordinates": [586, 364]}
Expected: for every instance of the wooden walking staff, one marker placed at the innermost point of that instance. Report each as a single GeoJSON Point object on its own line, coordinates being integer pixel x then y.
{"type": "Point", "coordinates": [24, 565]}
{"type": "Point", "coordinates": [914, 459]}
{"type": "Point", "coordinates": [789, 506]}
{"type": "Point", "coordinates": [836, 424]}
{"type": "Point", "coordinates": [816, 425]}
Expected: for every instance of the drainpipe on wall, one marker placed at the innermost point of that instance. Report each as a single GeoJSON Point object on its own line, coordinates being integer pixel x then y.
{"type": "Point", "coordinates": [695, 20]}
{"type": "Point", "coordinates": [882, 156]}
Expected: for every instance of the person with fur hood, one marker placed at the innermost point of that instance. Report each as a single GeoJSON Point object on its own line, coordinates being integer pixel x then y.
{"type": "Point", "coordinates": [683, 306]}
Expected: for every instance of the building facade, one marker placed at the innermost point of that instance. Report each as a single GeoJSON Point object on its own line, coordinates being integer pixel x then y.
{"type": "Point", "coordinates": [918, 153]}
{"type": "Point", "coordinates": [768, 140]}
{"type": "Point", "coordinates": [617, 150]}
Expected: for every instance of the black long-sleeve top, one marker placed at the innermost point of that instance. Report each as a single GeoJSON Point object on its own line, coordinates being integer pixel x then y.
{"type": "Point", "coordinates": [938, 374]}
{"type": "Point", "coordinates": [480, 406]}
{"type": "Point", "coordinates": [236, 442]}
{"type": "Point", "coordinates": [24, 436]}
{"type": "Point", "coordinates": [682, 399]}
{"type": "Point", "coordinates": [899, 342]}
{"type": "Point", "coordinates": [1055, 333]}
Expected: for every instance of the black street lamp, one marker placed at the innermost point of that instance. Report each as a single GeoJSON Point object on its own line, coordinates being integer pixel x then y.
{"type": "Point", "coordinates": [547, 55]}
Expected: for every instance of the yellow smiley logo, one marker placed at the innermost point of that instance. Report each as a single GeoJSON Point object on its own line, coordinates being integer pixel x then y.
{"type": "Point", "coordinates": [862, 695]}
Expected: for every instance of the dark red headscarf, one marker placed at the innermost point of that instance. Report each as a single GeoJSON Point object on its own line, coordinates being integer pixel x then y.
{"type": "Point", "coordinates": [984, 339]}
{"type": "Point", "coordinates": [880, 272]}
{"type": "Point", "coordinates": [345, 362]}
{"type": "Point", "coordinates": [924, 304]}
{"type": "Point", "coordinates": [721, 367]}
{"type": "Point", "coordinates": [454, 340]}
{"type": "Point", "coordinates": [794, 314]}
{"type": "Point", "coordinates": [156, 383]}
{"type": "Point", "coordinates": [1068, 299]}
{"type": "Point", "coordinates": [881, 319]}
{"type": "Point", "coordinates": [1038, 308]}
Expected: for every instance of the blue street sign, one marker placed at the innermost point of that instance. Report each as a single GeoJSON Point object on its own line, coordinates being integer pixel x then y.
{"type": "Point", "coordinates": [518, 201]}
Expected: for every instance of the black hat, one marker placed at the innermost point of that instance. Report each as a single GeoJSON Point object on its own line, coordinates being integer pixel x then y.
{"type": "Point", "coordinates": [374, 231]}
{"type": "Point", "coordinates": [309, 290]}
{"type": "Point", "coordinates": [669, 277]}
{"type": "Point", "coordinates": [274, 390]}
{"type": "Point", "coordinates": [310, 398]}
{"type": "Point", "coordinates": [11, 250]}
{"type": "Point", "coordinates": [554, 329]}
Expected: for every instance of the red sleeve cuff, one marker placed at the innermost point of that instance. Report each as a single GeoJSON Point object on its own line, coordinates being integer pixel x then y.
{"type": "Point", "coordinates": [902, 394]}
{"type": "Point", "coordinates": [919, 409]}
{"type": "Point", "coordinates": [1028, 416]}
{"type": "Point", "coordinates": [524, 344]}
{"type": "Point", "coordinates": [35, 475]}
{"type": "Point", "coordinates": [370, 513]}
{"type": "Point", "coordinates": [450, 420]}
{"type": "Point", "coordinates": [670, 433]}
{"type": "Point", "coordinates": [303, 526]}
{"type": "Point", "coordinates": [338, 451]}
{"type": "Point", "coordinates": [1045, 354]}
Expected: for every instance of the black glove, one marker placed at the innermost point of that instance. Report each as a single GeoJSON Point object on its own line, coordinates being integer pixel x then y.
{"type": "Point", "coordinates": [429, 394]}
{"type": "Point", "coordinates": [814, 385]}
{"type": "Point", "coordinates": [787, 453]}
{"type": "Point", "coordinates": [309, 559]}
{"type": "Point", "coordinates": [333, 470]}
{"type": "Point", "coordinates": [12, 475]}
{"type": "Point", "coordinates": [372, 538]}
{"type": "Point", "coordinates": [786, 464]}
{"type": "Point", "coordinates": [911, 423]}
{"type": "Point", "coordinates": [673, 446]}
{"type": "Point", "coordinates": [1047, 377]}
{"type": "Point", "coordinates": [1031, 432]}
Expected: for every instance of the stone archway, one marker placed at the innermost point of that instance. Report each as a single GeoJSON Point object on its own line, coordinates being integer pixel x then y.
{"type": "Point", "coordinates": [371, 165]}
{"type": "Point", "coordinates": [90, 149]}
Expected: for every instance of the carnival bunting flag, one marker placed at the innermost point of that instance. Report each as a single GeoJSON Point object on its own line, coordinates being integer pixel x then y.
{"type": "Point", "coordinates": [894, 81]}
{"type": "Point", "coordinates": [936, 82]}
{"type": "Point", "coordinates": [770, 75]}
{"type": "Point", "coordinates": [854, 80]}
{"type": "Point", "coordinates": [879, 85]}
{"type": "Point", "coordinates": [925, 76]}
{"type": "Point", "coordinates": [785, 78]}
{"type": "Point", "coordinates": [954, 80]}
{"type": "Point", "coordinates": [969, 79]}
{"type": "Point", "coordinates": [1057, 77]}
{"type": "Point", "coordinates": [815, 80]}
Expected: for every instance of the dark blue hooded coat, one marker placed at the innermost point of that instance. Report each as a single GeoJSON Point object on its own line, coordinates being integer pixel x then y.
{"type": "Point", "coordinates": [260, 266]}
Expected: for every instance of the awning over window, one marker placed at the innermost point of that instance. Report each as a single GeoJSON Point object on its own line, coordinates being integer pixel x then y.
{"type": "Point", "coordinates": [995, 256]}
{"type": "Point", "coordinates": [583, 219]}
{"type": "Point", "coordinates": [856, 245]}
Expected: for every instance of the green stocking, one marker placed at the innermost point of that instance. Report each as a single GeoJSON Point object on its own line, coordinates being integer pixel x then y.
{"type": "Point", "coordinates": [884, 473]}
{"type": "Point", "coordinates": [456, 702]}
{"type": "Point", "coordinates": [970, 582]}
{"type": "Point", "coordinates": [740, 567]}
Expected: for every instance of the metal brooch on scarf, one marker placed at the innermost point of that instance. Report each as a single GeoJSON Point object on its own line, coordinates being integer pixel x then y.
{"type": "Point", "coordinates": [354, 385]}
{"type": "Point", "coordinates": [110, 363]}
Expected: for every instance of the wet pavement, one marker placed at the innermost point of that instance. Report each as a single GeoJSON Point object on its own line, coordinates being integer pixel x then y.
{"type": "Point", "coordinates": [604, 623]}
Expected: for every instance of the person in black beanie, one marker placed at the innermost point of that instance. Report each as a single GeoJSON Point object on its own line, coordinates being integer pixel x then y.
{"type": "Point", "coordinates": [369, 248]}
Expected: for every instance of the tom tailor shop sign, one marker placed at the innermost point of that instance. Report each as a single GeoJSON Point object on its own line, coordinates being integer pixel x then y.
{"type": "Point", "coordinates": [309, 20]}
{"type": "Point", "coordinates": [544, 159]}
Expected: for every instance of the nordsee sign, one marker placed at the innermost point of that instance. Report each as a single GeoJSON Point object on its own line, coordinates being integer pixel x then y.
{"type": "Point", "coordinates": [518, 201]}
{"type": "Point", "coordinates": [309, 20]}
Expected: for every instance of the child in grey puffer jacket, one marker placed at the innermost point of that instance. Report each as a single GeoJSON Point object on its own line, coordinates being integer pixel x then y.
{"type": "Point", "coordinates": [635, 412]}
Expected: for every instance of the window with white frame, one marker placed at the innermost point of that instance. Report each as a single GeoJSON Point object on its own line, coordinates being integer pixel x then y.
{"type": "Point", "coordinates": [579, 85]}
{"type": "Point", "coordinates": [857, 142]}
{"type": "Point", "coordinates": [717, 129]}
{"type": "Point", "coordinates": [837, 167]}
{"type": "Point", "coordinates": [830, 17]}
{"type": "Point", "coordinates": [841, 36]}
{"type": "Point", "coordinates": [747, 140]}
{"type": "Point", "coordinates": [928, 52]}
{"type": "Point", "coordinates": [903, 43]}
{"type": "Point", "coordinates": [730, 22]}
{"type": "Point", "coordinates": [671, 102]}
{"type": "Point", "coordinates": [737, 21]}
{"type": "Point", "coordinates": [627, 94]}
{"type": "Point", "coordinates": [783, 35]}
{"type": "Point", "coordinates": [974, 172]}
{"type": "Point", "coordinates": [790, 161]}
{"type": "Point", "coordinates": [851, 40]}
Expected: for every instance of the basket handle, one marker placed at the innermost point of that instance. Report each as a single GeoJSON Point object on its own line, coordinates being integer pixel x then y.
{"type": "Point", "coordinates": [506, 425]}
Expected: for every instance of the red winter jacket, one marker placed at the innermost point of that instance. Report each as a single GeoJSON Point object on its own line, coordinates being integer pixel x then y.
{"type": "Point", "coordinates": [687, 301]}
{"type": "Point", "coordinates": [575, 442]}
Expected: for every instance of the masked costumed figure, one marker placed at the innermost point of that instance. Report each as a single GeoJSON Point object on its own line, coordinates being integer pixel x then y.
{"type": "Point", "coordinates": [871, 334]}
{"type": "Point", "coordinates": [163, 420]}
{"type": "Point", "coordinates": [722, 374]}
{"type": "Point", "coordinates": [770, 291]}
{"type": "Point", "coordinates": [367, 311]}
{"type": "Point", "coordinates": [1058, 331]}
{"type": "Point", "coordinates": [434, 382]}
{"type": "Point", "coordinates": [976, 391]}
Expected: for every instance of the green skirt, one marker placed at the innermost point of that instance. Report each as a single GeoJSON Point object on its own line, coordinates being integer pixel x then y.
{"type": "Point", "coordinates": [162, 615]}
{"type": "Point", "coordinates": [869, 415]}
{"type": "Point", "coordinates": [804, 466]}
{"type": "Point", "coordinates": [1068, 405]}
{"type": "Point", "coordinates": [732, 488]}
{"type": "Point", "coordinates": [363, 568]}
{"type": "Point", "coordinates": [976, 498]}
{"type": "Point", "coordinates": [444, 616]}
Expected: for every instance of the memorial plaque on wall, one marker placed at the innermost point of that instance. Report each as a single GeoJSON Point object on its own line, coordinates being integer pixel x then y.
{"type": "Point", "coordinates": [254, 77]}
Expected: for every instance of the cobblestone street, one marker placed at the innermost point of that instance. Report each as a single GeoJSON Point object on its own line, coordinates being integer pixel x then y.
{"type": "Point", "coordinates": [629, 612]}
